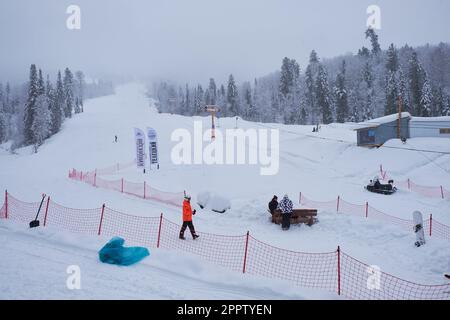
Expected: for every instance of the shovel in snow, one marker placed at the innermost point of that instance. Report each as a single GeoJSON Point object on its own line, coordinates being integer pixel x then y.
{"type": "Point", "coordinates": [35, 222]}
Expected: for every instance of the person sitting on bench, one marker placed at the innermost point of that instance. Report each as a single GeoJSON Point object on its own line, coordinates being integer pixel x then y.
{"type": "Point", "coordinates": [273, 204]}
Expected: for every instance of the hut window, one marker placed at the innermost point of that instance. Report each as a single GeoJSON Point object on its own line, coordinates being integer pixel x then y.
{"type": "Point", "coordinates": [367, 136]}
{"type": "Point", "coordinates": [444, 131]}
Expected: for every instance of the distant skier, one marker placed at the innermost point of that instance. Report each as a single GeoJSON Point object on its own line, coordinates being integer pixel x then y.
{"type": "Point", "coordinates": [286, 207]}
{"type": "Point", "coordinates": [273, 205]}
{"type": "Point", "coordinates": [187, 218]}
{"type": "Point", "coordinates": [115, 138]}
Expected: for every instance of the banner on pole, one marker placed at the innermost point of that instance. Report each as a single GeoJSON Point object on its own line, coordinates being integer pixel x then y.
{"type": "Point", "coordinates": [152, 146]}
{"type": "Point", "coordinates": [139, 137]}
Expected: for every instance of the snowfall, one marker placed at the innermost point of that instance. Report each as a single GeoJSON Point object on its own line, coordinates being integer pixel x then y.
{"type": "Point", "coordinates": [321, 165]}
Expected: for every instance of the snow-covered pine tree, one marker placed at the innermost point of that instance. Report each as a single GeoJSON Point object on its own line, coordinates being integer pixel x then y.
{"type": "Point", "coordinates": [211, 93]}
{"type": "Point", "coordinates": [303, 116]}
{"type": "Point", "coordinates": [310, 81]}
{"type": "Point", "coordinates": [199, 103]}
{"type": "Point", "coordinates": [426, 99]}
{"type": "Point", "coordinates": [232, 98]}
{"type": "Point", "coordinates": [30, 106]}
{"type": "Point", "coordinates": [403, 93]}
{"type": "Point", "coordinates": [7, 105]}
{"type": "Point", "coordinates": [367, 90]}
{"type": "Point", "coordinates": [439, 102]}
{"type": "Point", "coordinates": [56, 112]}
{"type": "Point", "coordinates": [68, 93]}
{"type": "Point", "coordinates": [3, 125]}
{"type": "Point", "coordinates": [80, 84]}
{"type": "Point", "coordinates": [286, 77]}
{"type": "Point", "coordinates": [340, 93]}
{"type": "Point", "coordinates": [77, 108]}
{"type": "Point", "coordinates": [41, 85]}
{"type": "Point", "coordinates": [392, 63]}
{"type": "Point", "coordinates": [41, 122]}
{"type": "Point", "coordinates": [248, 110]}
{"type": "Point", "coordinates": [323, 95]}
{"type": "Point", "coordinates": [415, 76]}
{"type": "Point", "coordinates": [376, 49]}
{"type": "Point", "coordinates": [391, 105]}
{"type": "Point", "coordinates": [391, 86]}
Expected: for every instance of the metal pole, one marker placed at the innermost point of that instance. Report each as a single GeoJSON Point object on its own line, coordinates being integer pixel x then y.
{"type": "Point", "coordinates": [159, 230]}
{"type": "Point", "coordinates": [101, 220]}
{"type": "Point", "coordinates": [245, 254]}
{"type": "Point", "coordinates": [46, 211]}
{"type": "Point", "coordinates": [339, 269]}
{"type": "Point", "coordinates": [6, 204]}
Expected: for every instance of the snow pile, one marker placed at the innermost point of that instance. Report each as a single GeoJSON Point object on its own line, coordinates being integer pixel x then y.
{"type": "Point", "coordinates": [213, 201]}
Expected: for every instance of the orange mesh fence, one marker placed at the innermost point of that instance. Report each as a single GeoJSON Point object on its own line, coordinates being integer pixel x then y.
{"type": "Point", "coordinates": [21, 211]}
{"type": "Point", "coordinates": [137, 230]}
{"type": "Point", "coordinates": [361, 281]}
{"type": "Point", "coordinates": [333, 271]}
{"type": "Point", "coordinates": [427, 191]}
{"type": "Point", "coordinates": [142, 189]}
{"type": "Point", "coordinates": [365, 210]}
{"type": "Point", "coordinates": [316, 270]}
{"type": "Point", "coordinates": [84, 221]}
{"type": "Point", "coordinates": [226, 251]}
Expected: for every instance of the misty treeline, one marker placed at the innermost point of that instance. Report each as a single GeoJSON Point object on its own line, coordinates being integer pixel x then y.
{"type": "Point", "coordinates": [352, 87]}
{"type": "Point", "coordinates": [36, 110]}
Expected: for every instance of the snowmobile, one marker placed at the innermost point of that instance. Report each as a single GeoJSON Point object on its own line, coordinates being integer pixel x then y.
{"type": "Point", "coordinates": [377, 187]}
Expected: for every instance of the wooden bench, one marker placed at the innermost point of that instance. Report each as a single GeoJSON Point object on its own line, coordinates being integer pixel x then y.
{"type": "Point", "coordinates": [306, 216]}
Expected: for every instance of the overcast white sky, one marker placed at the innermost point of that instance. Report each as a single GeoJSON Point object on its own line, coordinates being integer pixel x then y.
{"type": "Point", "coordinates": [192, 40]}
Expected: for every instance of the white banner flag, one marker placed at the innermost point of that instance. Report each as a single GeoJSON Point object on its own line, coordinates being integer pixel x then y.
{"type": "Point", "coordinates": [139, 137]}
{"type": "Point", "coordinates": [152, 145]}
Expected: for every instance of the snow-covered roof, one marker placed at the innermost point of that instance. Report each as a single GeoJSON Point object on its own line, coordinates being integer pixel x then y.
{"type": "Point", "coordinates": [386, 119]}
{"type": "Point", "coordinates": [431, 119]}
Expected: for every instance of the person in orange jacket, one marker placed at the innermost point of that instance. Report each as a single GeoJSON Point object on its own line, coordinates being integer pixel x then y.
{"type": "Point", "coordinates": [187, 218]}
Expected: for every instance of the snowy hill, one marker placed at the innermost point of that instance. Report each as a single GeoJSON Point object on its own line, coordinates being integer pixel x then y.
{"type": "Point", "coordinates": [321, 165]}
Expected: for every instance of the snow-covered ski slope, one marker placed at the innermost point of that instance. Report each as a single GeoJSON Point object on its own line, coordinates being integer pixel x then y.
{"type": "Point", "coordinates": [320, 165]}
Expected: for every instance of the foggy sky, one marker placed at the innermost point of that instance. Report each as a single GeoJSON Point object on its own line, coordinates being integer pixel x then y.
{"type": "Point", "coordinates": [193, 40]}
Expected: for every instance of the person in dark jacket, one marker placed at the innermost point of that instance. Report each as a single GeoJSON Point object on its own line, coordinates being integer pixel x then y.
{"type": "Point", "coordinates": [273, 204]}
{"type": "Point", "coordinates": [286, 208]}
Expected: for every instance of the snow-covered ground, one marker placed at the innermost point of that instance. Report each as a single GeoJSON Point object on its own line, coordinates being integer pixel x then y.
{"type": "Point", "coordinates": [321, 165]}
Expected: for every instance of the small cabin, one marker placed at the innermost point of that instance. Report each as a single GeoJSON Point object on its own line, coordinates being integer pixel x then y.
{"type": "Point", "coordinates": [375, 132]}
{"type": "Point", "coordinates": [430, 127]}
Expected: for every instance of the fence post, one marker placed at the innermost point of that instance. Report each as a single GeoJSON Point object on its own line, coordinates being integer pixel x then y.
{"type": "Point", "coordinates": [101, 220]}
{"type": "Point", "coordinates": [431, 223]}
{"type": "Point", "coordinates": [122, 186]}
{"type": "Point", "coordinates": [337, 204]}
{"type": "Point", "coordinates": [245, 254]}
{"type": "Point", "coordinates": [159, 230]}
{"type": "Point", "coordinates": [381, 170]}
{"type": "Point", "coordinates": [6, 204]}
{"type": "Point", "coordinates": [300, 198]}
{"type": "Point", "coordinates": [442, 192]}
{"type": "Point", "coordinates": [367, 209]}
{"type": "Point", "coordinates": [409, 185]}
{"type": "Point", "coordinates": [46, 210]}
{"type": "Point", "coordinates": [144, 189]}
{"type": "Point", "coordinates": [95, 178]}
{"type": "Point", "coordinates": [81, 175]}
{"type": "Point", "coordinates": [339, 270]}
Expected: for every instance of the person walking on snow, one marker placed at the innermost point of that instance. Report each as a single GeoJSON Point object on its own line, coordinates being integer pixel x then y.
{"type": "Point", "coordinates": [187, 218]}
{"type": "Point", "coordinates": [286, 206]}
{"type": "Point", "coordinates": [115, 138]}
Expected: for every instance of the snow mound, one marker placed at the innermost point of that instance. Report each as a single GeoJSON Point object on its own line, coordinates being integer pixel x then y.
{"type": "Point", "coordinates": [213, 201]}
